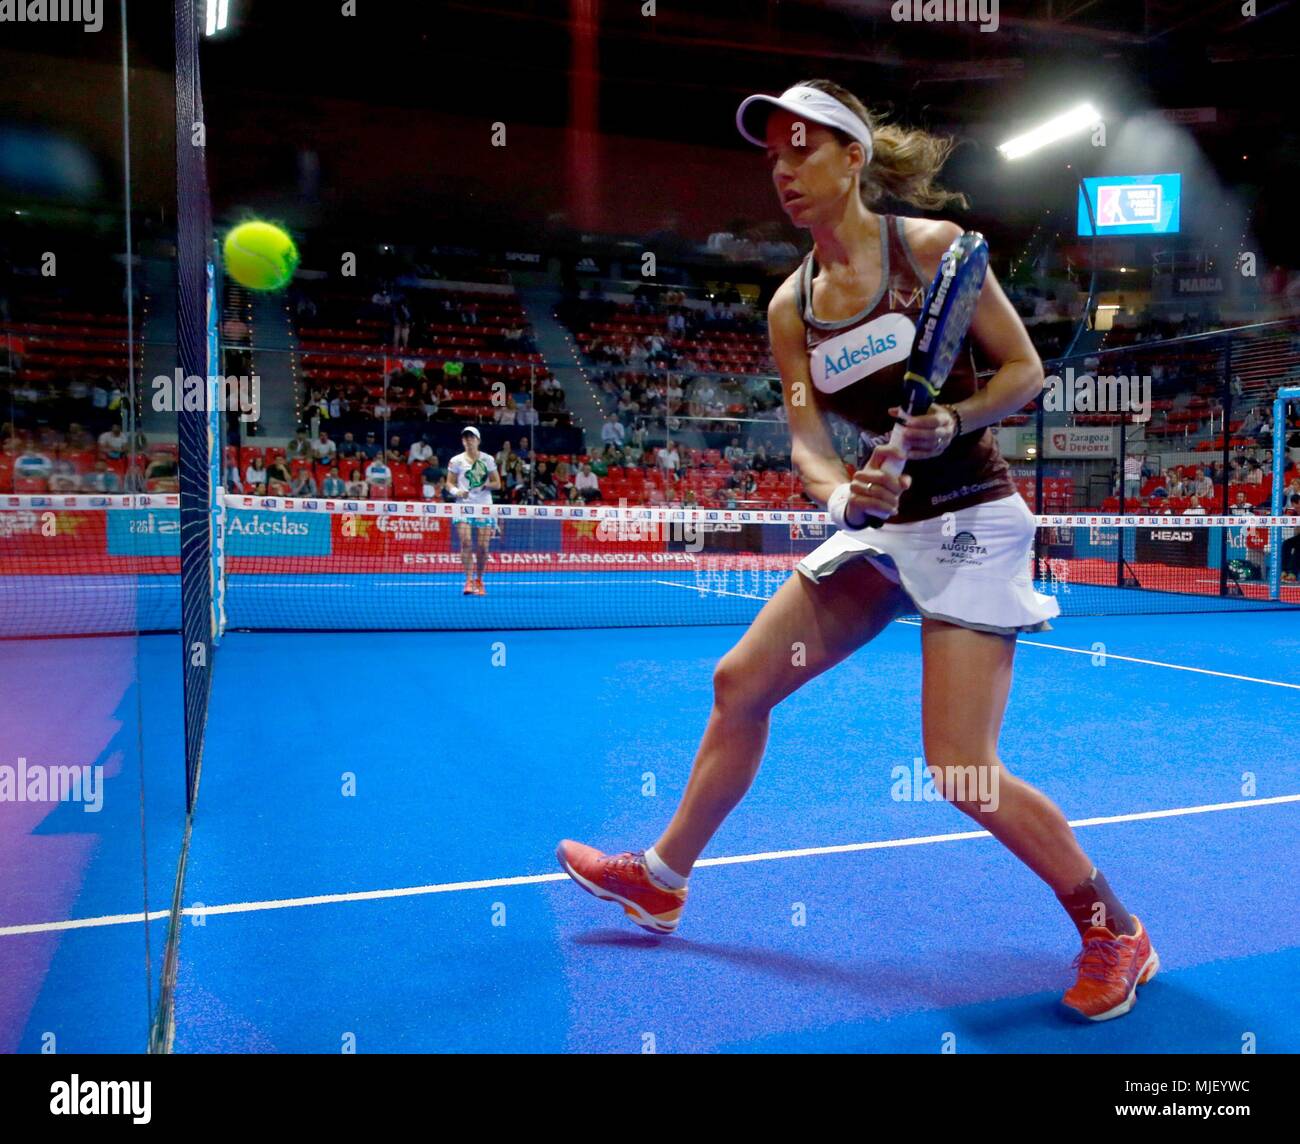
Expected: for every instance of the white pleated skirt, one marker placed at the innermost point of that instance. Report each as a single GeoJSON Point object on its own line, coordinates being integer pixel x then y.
{"type": "Point", "coordinates": [971, 567]}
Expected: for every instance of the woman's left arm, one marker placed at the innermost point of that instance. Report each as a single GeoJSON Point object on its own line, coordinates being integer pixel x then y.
{"type": "Point", "coordinates": [1002, 338]}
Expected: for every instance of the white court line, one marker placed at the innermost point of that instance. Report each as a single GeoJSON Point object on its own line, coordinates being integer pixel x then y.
{"type": "Point", "coordinates": [83, 923]}
{"type": "Point", "coordinates": [1148, 662]}
{"type": "Point", "coordinates": [536, 879]}
{"type": "Point", "coordinates": [710, 591]}
{"type": "Point", "coordinates": [1054, 647]}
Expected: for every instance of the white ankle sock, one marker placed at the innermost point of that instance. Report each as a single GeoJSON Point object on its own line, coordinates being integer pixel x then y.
{"type": "Point", "coordinates": [661, 872]}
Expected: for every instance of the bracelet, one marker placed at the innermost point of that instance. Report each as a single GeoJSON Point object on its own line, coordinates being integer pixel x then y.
{"type": "Point", "coordinates": [960, 427]}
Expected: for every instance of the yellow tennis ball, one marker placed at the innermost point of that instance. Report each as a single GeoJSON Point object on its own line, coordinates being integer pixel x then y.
{"type": "Point", "coordinates": [260, 256]}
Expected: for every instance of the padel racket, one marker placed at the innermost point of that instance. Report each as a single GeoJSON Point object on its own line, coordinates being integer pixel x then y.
{"type": "Point", "coordinates": [941, 330]}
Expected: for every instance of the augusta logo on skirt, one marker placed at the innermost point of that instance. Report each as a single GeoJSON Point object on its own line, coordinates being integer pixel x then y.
{"type": "Point", "coordinates": [963, 548]}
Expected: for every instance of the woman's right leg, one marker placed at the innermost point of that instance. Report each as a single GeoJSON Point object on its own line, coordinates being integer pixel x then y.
{"type": "Point", "coordinates": [802, 631]}
{"type": "Point", "coordinates": [466, 535]}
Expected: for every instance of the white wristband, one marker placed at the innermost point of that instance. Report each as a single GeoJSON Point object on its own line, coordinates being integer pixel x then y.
{"type": "Point", "coordinates": [837, 505]}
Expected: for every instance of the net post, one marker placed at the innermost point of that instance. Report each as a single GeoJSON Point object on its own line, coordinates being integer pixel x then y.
{"type": "Point", "coordinates": [1038, 478]}
{"type": "Point", "coordinates": [1225, 503]}
{"type": "Point", "coordinates": [1280, 403]}
{"type": "Point", "coordinates": [1123, 463]}
{"type": "Point", "coordinates": [1123, 501]}
{"type": "Point", "coordinates": [1038, 455]}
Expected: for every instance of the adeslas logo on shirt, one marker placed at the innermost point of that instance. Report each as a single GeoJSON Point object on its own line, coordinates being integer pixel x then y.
{"type": "Point", "coordinates": [848, 357]}
{"type": "Point", "coordinates": [869, 348]}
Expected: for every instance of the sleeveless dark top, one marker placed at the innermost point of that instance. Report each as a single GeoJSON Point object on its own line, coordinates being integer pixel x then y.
{"type": "Point", "coordinates": [857, 368]}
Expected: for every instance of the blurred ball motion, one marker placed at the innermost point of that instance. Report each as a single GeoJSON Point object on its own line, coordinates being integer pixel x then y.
{"type": "Point", "coordinates": [260, 256]}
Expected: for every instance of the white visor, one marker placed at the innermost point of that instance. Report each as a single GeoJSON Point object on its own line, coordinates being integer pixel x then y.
{"type": "Point", "coordinates": [806, 103]}
{"type": "Point", "coordinates": [470, 429]}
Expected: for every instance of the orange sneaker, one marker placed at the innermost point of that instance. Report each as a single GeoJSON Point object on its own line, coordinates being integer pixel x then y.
{"type": "Point", "coordinates": [623, 878]}
{"type": "Point", "coordinates": [479, 590]}
{"type": "Point", "coordinates": [469, 586]}
{"type": "Point", "coordinates": [1110, 970]}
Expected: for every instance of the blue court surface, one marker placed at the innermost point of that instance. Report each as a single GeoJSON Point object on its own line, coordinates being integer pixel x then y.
{"type": "Point", "coordinates": [372, 854]}
{"type": "Point", "coordinates": [85, 894]}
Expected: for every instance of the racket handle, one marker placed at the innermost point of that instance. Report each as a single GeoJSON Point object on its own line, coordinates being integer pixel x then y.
{"type": "Point", "coordinates": [892, 465]}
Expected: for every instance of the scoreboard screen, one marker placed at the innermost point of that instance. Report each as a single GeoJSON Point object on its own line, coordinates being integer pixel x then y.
{"type": "Point", "coordinates": [1132, 204]}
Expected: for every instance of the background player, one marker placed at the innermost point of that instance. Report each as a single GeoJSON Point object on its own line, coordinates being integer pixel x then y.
{"type": "Point", "coordinates": [471, 477]}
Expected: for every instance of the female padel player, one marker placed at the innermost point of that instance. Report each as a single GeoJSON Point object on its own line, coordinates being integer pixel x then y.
{"type": "Point", "coordinates": [956, 544]}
